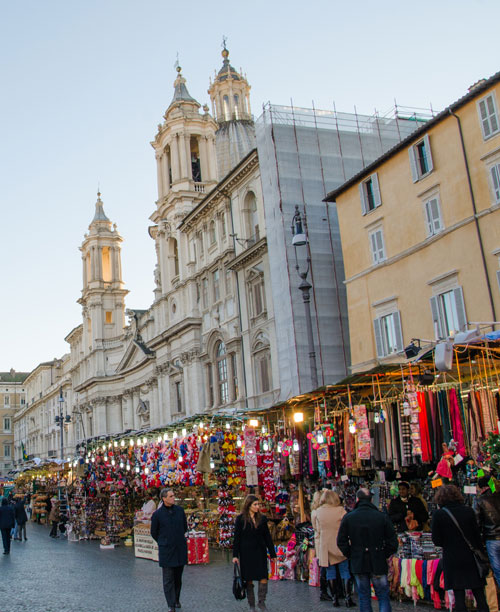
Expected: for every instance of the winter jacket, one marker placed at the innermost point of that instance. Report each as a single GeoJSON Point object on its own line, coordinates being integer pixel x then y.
{"type": "Point", "coordinates": [20, 512]}
{"type": "Point", "coordinates": [398, 508]}
{"type": "Point", "coordinates": [7, 515]}
{"type": "Point", "coordinates": [459, 567]}
{"type": "Point", "coordinates": [251, 545]}
{"type": "Point", "coordinates": [367, 538]}
{"type": "Point", "coordinates": [168, 526]}
{"type": "Point", "coordinates": [487, 510]}
{"type": "Point", "coordinates": [326, 525]}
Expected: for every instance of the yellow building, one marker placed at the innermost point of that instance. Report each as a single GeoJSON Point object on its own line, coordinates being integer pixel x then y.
{"type": "Point", "coordinates": [12, 399]}
{"type": "Point", "coordinates": [420, 232]}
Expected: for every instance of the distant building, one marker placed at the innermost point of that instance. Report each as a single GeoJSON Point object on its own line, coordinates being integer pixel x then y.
{"type": "Point", "coordinates": [420, 230]}
{"type": "Point", "coordinates": [12, 401]}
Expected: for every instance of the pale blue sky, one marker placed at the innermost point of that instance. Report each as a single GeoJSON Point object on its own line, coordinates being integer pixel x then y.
{"type": "Point", "coordinates": [84, 85]}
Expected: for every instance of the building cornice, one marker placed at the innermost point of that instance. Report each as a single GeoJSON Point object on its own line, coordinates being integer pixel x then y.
{"type": "Point", "coordinates": [250, 254]}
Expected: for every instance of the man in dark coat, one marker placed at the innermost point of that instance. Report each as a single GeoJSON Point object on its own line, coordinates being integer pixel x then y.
{"type": "Point", "coordinates": [487, 509]}
{"type": "Point", "coordinates": [367, 538]}
{"type": "Point", "coordinates": [7, 523]}
{"type": "Point", "coordinates": [21, 519]}
{"type": "Point", "coordinates": [168, 529]}
{"type": "Point", "coordinates": [405, 506]}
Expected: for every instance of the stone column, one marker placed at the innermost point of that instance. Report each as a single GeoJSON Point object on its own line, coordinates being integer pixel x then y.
{"type": "Point", "coordinates": [159, 175]}
{"type": "Point", "coordinates": [127, 416]}
{"type": "Point", "coordinates": [154, 415]}
{"type": "Point", "coordinates": [202, 143]}
{"type": "Point", "coordinates": [174, 158]}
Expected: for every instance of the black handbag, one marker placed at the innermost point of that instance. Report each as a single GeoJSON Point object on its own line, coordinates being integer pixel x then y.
{"type": "Point", "coordinates": [480, 556]}
{"type": "Point", "coordinates": [239, 585]}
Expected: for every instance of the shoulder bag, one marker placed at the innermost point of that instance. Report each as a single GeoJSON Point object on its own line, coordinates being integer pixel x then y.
{"type": "Point", "coordinates": [480, 556]}
{"type": "Point", "coordinates": [239, 585]}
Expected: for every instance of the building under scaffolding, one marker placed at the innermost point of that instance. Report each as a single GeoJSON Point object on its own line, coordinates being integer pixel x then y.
{"type": "Point", "coordinates": [304, 154]}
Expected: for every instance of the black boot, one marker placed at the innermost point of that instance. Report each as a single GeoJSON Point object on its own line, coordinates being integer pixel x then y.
{"type": "Point", "coordinates": [348, 589]}
{"type": "Point", "coordinates": [323, 587]}
{"type": "Point", "coordinates": [262, 596]}
{"type": "Point", "coordinates": [251, 596]}
{"type": "Point", "coordinates": [333, 590]}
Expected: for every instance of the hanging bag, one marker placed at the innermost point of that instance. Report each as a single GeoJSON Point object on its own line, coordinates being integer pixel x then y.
{"type": "Point", "coordinates": [239, 585]}
{"type": "Point", "coordinates": [480, 556]}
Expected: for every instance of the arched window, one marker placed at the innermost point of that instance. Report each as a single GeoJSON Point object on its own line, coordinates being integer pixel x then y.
{"type": "Point", "coordinates": [252, 219]}
{"type": "Point", "coordinates": [106, 264]}
{"type": "Point", "coordinates": [213, 236]}
{"type": "Point", "coordinates": [262, 364]}
{"type": "Point", "coordinates": [236, 107]}
{"type": "Point", "coordinates": [174, 256]}
{"type": "Point", "coordinates": [227, 114]}
{"type": "Point", "coordinates": [222, 382]}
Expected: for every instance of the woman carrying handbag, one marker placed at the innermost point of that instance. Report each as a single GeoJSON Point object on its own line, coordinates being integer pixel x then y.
{"type": "Point", "coordinates": [454, 528]}
{"type": "Point", "coordinates": [252, 541]}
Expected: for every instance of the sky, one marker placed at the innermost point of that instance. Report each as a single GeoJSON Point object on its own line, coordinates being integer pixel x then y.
{"type": "Point", "coordinates": [84, 85]}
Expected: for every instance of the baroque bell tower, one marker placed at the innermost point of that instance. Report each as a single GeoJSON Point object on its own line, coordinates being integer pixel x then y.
{"type": "Point", "coordinates": [103, 293]}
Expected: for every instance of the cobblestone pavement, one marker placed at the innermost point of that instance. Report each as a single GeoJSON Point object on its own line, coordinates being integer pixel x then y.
{"type": "Point", "coordinates": [46, 575]}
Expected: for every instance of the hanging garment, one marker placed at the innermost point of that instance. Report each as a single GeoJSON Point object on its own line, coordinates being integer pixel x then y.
{"type": "Point", "coordinates": [395, 437]}
{"type": "Point", "coordinates": [445, 416]}
{"type": "Point", "coordinates": [387, 435]}
{"type": "Point", "coordinates": [405, 437]}
{"type": "Point", "coordinates": [456, 423]}
{"type": "Point", "coordinates": [424, 428]}
{"type": "Point", "coordinates": [488, 410]}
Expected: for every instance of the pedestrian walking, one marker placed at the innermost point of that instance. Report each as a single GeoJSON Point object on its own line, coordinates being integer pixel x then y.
{"type": "Point", "coordinates": [406, 511]}
{"type": "Point", "coordinates": [459, 567]}
{"type": "Point", "coordinates": [21, 519]}
{"type": "Point", "coordinates": [323, 582]}
{"type": "Point", "coordinates": [327, 523]}
{"type": "Point", "coordinates": [168, 529]}
{"type": "Point", "coordinates": [54, 516]}
{"type": "Point", "coordinates": [7, 522]}
{"type": "Point", "coordinates": [487, 509]}
{"type": "Point", "coordinates": [252, 541]}
{"type": "Point", "coordinates": [367, 538]}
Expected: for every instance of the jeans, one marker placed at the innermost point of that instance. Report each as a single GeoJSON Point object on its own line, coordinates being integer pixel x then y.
{"type": "Point", "coordinates": [6, 539]}
{"type": "Point", "coordinates": [493, 548]}
{"type": "Point", "coordinates": [331, 571]}
{"type": "Point", "coordinates": [381, 586]}
{"type": "Point", "coordinates": [20, 529]}
{"type": "Point", "coordinates": [172, 583]}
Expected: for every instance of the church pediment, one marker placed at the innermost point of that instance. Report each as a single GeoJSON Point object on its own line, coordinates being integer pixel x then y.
{"type": "Point", "coordinates": [132, 357]}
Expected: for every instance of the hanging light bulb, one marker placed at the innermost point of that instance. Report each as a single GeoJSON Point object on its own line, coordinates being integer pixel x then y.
{"type": "Point", "coordinates": [377, 417]}
{"type": "Point", "coordinates": [159, 439]}
{"type": "Point", "coordinates": [128, 468]}
{"type": "Point", "coordinates": [131, 443]}
{"type": "Point", "coordinates": [121, 464]}
{"type": "Point", "coordinates": [228, 425]}
{"type": "Point", "coordinates": [146, 470]}
{"type": "Point", "coordinates": [103, 447]}
{"type": "Point", "coordinates": [165, 436]}
{"type": "Point", "coordinates": [115, 443]}
{"type": "Point", "coordinates": [298, 417]}
{"type": "Point", "coordinates": [295, 445]}
{"type": "Point", "coordinates": [184, 431]}
{"type": "Point", "coordinates": [137, 469]}
{"type": "Point", "coordinates": [138, 441]}
{"type": "Point", "coordinates": [75, 463]}
{"type": "Point", "coordinates": [238, 443]}
{"type": "Point", "coordinates": [181, 458]}
{"type": "Point", "coordinates": [122, 443]}
{"type": "Point", "coordinates": [264, 429]}
{"type": "Point", "coordinates": [253, 423]}
{"type": "Point", "coordinates": [202, 425]}
{"type": "Point", "coordinates": [113, 462]}
{"type": "Point", "coordinates": [320, 437]}
{"type": "Point", "coordinates": [93, 459]}
{"type": "Point", "coordinates": [110, 445]}
{"type": "Point", "coordinates": [212, 465]}
{"type": "Point", "coordinates": [86, 460]}
{"type": "Point", "coordinates": [144, 440]}
{"type": "Point", "coordinates": [352, 426]}
{"type": "Point", "coordinates": [174, 435]}
{"type": "Point", "coordinates": [265, 446]}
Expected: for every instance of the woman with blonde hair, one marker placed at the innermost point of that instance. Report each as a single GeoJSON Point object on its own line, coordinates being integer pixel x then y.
{"type": "Point", "coordinates": [326, 524]}
{"type": "Point", "coordinates": [323, 583]}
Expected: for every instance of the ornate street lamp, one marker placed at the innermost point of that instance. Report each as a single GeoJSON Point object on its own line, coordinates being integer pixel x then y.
{"type": "Point", "coordinates": [61, 420]}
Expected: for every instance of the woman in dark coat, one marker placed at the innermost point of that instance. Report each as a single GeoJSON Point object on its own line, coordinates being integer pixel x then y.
{"type": "Point", "coordinates": [252, 541]}
{"type": "Point", "coordinates": [7, 522]}
{"type": "Point", "coordinates": [21, 519]}
{"type": "Point", "coordinates": [459, 568]}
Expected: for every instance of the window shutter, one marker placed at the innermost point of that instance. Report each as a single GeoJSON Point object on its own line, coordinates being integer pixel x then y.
{"type": "Point", "coordinates": [413, 164]}
{"type": "Point", "coordinates": [380, 244]}
{"type": "Point", "coordinates": [378, 338]}
{"type": "Point", "coordinates": [484, 119]}
{"type": "Point", "coordinates": [492, 113]}
{"type": "Point", "coordinates": [436, 319]}
{"type": "Point", "coordinates": [459, 303]}
{"type": "Point", "coordinates": [498, 278]}
{"type": "Point", "coordinates": [428, 153]}
{"type": "Point", "coordinates": [495, 175]}
{"type": "Point", "coordinates": [376, 190]}
{"type": "Point", "coordinates": [362, 195]}
{"type": "Point", "coordinates": [396, 317]}
{"type": "Point", "coordinates": [373, 246]}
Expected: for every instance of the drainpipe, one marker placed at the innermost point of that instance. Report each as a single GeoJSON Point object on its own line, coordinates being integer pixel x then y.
{"type": "Point", "coordinates": [476, 220]}
{"type": "Point", "coordinates": [239, 308]}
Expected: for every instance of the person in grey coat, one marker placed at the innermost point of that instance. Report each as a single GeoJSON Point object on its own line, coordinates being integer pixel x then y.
{"type": "Point", "coordinates": [168, 529]}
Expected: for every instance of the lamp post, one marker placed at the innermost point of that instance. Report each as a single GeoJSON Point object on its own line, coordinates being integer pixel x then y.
{"type": "Point", "coordinates": [61, 420]}
{"type": "Point", "coordinates": [299, 239]}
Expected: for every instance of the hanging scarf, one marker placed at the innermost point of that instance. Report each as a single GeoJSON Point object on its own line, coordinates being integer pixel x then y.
{"type": "Point", "coordinates": [456, 423]}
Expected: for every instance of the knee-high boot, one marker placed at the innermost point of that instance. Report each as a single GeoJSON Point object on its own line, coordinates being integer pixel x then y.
{"type": "Point", "coordinates": [348, 589]}
{"type": "Point", "coordinates": [262, 595]}
{"type": "Point", "coordinates": [323, 587]}
{"type": "Point", "coordinates": [251, 596]}
{"type": "Point", "coordinates": [333, 591]}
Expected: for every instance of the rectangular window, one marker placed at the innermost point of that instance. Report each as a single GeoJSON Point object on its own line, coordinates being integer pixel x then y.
{"type": "Point", "coordinates": [433, 216]}
{"type": "Point", "coordinates": [109, 316]}
{"type": "Point", "coordinates": [377, 246]}
{"type": "Point", "coordinates": [6, 424]}
{"type": "Point", "coordinates": [6, 400]}
{"type": "Point", "coordinates": [6, 450]}
{"type": "Point", "coordinates": [495, 178]}
{"type": "Point", "coordinates": [388, 334]}
{"type": "Point", "coordinates": [178, 396]}
{"type": "Point", "coordinates": [234, 369]}
{"type": "Point", "coordinates": [448, 312]}
{"type": "Point", "coordinates": [229, 282]}
{"type": "Point", "coordinates": [488, 116]}
{"type": "Point", "coordinates": [421, 159]}
{"type": "Point", "coordinates": [215, 284]}
{"type": "Point", "coordinates": [23, 401]}
{"type": "Point", "coordinates": [204, 292]}
{"type": "Point", "coordinates": [369, 192]}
